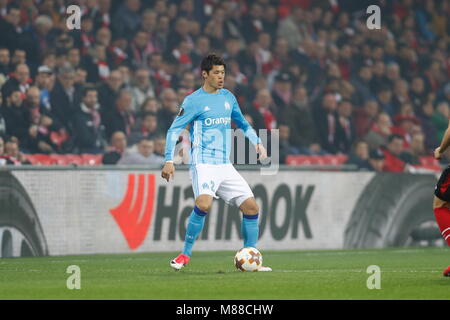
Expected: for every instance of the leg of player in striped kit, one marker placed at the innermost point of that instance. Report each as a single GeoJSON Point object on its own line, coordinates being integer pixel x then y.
{"type": "Point", "coordinates": [441, 208]}
{"type": "Point", "coordinates": [441, 202]}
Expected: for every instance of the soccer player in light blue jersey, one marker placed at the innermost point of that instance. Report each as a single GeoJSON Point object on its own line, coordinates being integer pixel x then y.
{"type": "Point", "coordinates": [209, 112]}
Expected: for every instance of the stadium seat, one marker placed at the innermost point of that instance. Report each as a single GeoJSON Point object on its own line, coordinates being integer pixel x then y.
{"type": "Point", "coordinates": [335, 160]}
{"type": "Point", "coordinates": [330, 160]}
{"type": "Point", "coordinates": [92, 159]}
{"type": "Point", "coordinates": [317, 160]}
{"type": "Point", "coordinates": [73, 159]}
{"type": "Point", "coordinates": [59, 159]}
{"type": "Point", "coordinates": [39, 159]}
{"type": "Point", "coordinates": [429, 161]}
{"type": "Point", "coordinates": [295, 160]}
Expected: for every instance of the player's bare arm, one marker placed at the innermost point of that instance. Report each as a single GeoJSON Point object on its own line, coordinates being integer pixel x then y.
{"type": "Point", "coordinates": [261, 150]}
{"type": "Point", "coordinates": [168, 171]}
{"type": "Point", "coordinates": [444, 144]}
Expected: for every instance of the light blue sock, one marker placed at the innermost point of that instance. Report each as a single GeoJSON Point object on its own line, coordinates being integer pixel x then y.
{"type": "Point", "coordinates": [194, 227]}
{"type": "Point", "coordinates": [250, 230]}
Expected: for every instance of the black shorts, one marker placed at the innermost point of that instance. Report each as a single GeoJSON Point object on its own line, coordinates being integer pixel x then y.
{"type": "Point", "coordinates": [442, 190]}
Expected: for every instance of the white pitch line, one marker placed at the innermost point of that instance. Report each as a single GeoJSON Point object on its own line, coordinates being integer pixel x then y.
{"type": "Point", "coordinates": [353, 270]}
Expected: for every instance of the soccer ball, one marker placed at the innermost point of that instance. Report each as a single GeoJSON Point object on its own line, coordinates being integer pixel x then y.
{"type": "Point", "coordinates": [248, 259]}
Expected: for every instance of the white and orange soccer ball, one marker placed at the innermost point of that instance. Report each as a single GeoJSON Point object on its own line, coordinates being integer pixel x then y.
{"type": "Point", "coordinates": [248, 259]}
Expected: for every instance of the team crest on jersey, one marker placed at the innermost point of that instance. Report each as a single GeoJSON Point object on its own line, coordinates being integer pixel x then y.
{"type": "Point", "coordinates": [227, 105]}
{"type": "Point", "coordinates": [206, 108]}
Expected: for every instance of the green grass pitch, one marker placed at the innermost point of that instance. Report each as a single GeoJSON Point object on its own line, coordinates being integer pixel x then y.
{"type": "Point", "coordinates": [414, 273]}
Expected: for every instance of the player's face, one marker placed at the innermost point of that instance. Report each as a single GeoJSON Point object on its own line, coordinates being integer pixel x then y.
{"type": "Point", "coordinates": [215, 77]}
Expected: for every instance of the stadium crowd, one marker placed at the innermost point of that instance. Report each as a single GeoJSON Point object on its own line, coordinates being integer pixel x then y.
{"type": "Point", "coordinates": [312, 69]}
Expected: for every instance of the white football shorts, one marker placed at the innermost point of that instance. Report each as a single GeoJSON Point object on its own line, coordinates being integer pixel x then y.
{"type": "Point", "coordinates": [220, 181]}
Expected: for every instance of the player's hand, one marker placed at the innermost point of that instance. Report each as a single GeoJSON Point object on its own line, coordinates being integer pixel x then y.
{"type": "Point", "coordinates": [261, 151]}
{"type": "Point", "coordinates": [168, 171]}
{"type": "Point", "coordinates": [438, 153]}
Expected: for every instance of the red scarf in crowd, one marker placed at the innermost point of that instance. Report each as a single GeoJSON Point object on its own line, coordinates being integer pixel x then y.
{"type": "Point", "coordinates": [270, 121]}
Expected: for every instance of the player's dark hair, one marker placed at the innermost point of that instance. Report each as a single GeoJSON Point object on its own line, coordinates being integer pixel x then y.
{"type": "Point", "coordinates": [210, 61]}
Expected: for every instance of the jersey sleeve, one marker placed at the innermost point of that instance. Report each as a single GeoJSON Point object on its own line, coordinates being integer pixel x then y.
{"type": "Point", "coordinates": [188, 112]}
{"type": "Point", "coordinates": [242, 123]}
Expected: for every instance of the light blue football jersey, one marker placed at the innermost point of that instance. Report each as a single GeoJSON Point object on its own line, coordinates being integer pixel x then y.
{"type": "Point", "coordinates": [209, 116]}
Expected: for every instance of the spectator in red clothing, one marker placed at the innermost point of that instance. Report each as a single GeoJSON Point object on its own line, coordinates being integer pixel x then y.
{"type": "Point", "coordinates": [140, 49]}
{"type": "Point", "coordinates": [12, 152]}
{"type": "Point", "coordinates": [262, 111]}
{"type": "Point", "coordinates": [392, 153]}
{"type": "Point", "coordinates": [405, 126]}
{"type": "Point", "coordinates": [117, 51]}
{"type": "Point", "coordinates": [101, 15]}
{"type": "Point", "coordinates": [182, 54]}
